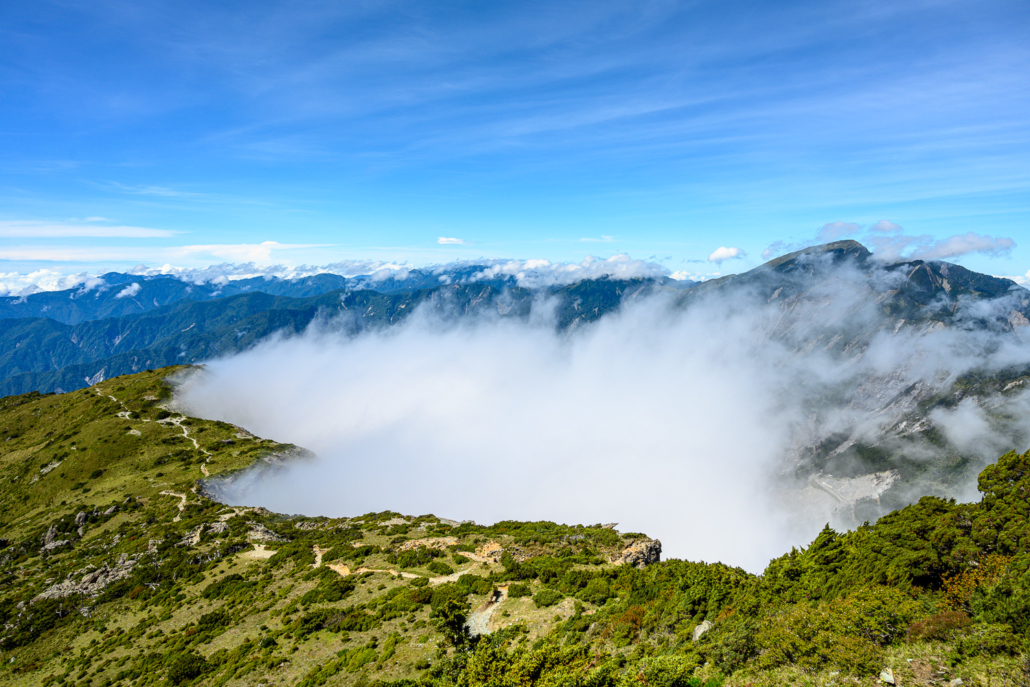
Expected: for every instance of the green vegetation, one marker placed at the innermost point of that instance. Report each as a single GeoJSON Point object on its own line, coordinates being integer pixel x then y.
{"type": "Point", "coordinates": [118, 570]}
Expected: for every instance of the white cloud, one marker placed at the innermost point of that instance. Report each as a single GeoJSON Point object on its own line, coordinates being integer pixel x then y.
{"type": "Point", "coordinates": [683, 275]}
{"type": "Point", "coordinates": [832, 231]}
{"type": "Point", "coordinates": [885, 227]}
{"type": "Point", "coordinates": [148, 190]}
{"type": "Point", "coordinates": [537, 273]}
{"type": "Point", "coordinates": [67, 254]}
{"type": "Point", "coordinates": [242, 252]}
{"type": "Point", "coordinates": [16, 284]}
{"type": "Point", "coordinates": [129, 291]}
{"type": "Point", "coordinates": [925, 247]}
{"type": "Point", "coordinates": [1022, 280]}
{"type": "Point", "coordinates": [722, 253]}
{"type": "Point", "coordinates": [40, 229]}
{"type": "Point", "coordinates": [603, 239]}
{"type": "Point", "coordinates": [446, 241]}
{"type": "Point", "coordinates": [965, 244]}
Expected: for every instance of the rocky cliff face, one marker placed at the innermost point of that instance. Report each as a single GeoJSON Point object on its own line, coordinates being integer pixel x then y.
{"type": "Point", "coordinates": [640, 553]}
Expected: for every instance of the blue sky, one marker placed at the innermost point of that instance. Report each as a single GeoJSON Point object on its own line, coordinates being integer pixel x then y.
{"type": "Point", "coordinates": [193, 133]}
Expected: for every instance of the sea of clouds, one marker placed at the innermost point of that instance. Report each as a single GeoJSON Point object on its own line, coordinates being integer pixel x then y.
{"type": "Point", "coordinates": [684, 422]}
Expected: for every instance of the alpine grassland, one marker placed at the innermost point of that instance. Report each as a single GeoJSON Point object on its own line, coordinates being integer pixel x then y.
{"type": "Point", "coordinates": [118, 568]}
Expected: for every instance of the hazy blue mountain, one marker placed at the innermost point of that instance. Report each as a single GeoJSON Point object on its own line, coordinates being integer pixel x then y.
{"type": "Point", "coordinates": [65, 340]}
{"type": "Point", "coordinates": [41, 354]}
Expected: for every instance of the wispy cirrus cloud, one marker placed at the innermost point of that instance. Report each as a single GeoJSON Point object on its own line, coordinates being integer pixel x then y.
{"type": "Point", "coordinates": [264, 252]}
{"type": "Point", "coordinates": [451, 241]}
{"type": "Point", "coordinates": [832, 231]}
{"type": "Point", "coordinates": [43, 229]}
{"type": "Point", "coordinates": [151, 190]}
{"type": "Point", "coordinates": [240, 252]}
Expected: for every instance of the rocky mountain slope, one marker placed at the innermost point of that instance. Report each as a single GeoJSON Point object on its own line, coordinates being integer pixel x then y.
{"type": "Point", "coordinates": [118, 569]}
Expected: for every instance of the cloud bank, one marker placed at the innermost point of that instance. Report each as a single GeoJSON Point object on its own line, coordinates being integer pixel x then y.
{"type": "Point", "coordinates": [528, 273]}
{"type": "Point", "coordinates": [685, 423]}
{"type": "Point", "coordinates": [889, 243]}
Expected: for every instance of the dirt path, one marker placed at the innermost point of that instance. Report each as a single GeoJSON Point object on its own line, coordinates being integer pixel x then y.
{"type": "Point", "coordinates": [319, 552]}
{"type": "Point", "coordinates": [453, 577]}
{"type": "Point", "coordinates": [182, 503]}
{"type": "Point", "coordinates": [259, 552]}
{"type": "Point", "coordinates": [345, 571]}
{"type": "Point", "coordinates": [126, 414]}
{"type": "Point", "coordinates": [177, 421]}
{"type": "Point", "coordinates": [478, 621]}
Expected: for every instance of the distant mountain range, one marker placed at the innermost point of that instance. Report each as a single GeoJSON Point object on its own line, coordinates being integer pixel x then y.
{"type": "Point", "coordinates": [74, 338]}
{"type": "Point", "coordinates": [65, 340]}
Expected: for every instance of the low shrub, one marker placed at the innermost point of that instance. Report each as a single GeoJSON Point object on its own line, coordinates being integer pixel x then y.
{"type": "Point", "coordinates": [186, 668]}
{"type": "Point", "coordinates": [546, 597]}
{"type": "Point", "coordinates": [940, 627]}
{"type": "Point", "coordinates": [987, 639]}
{"type": "Point", "coordinates": [440, 568]}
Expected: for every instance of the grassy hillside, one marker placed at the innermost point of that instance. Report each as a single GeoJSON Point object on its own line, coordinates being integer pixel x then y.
{"type": "Point", "coordinates": [116, 569]}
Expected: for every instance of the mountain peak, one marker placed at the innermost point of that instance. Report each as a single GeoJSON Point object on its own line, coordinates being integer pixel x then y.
{"type": "Point", "coordinates": [839, 250]}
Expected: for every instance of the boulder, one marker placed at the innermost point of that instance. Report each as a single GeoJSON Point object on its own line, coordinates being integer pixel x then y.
{"type": "Point", "coordinates": [640, 553]}
{"type": "Point", "coordinates": [700, 630]}
{"type": "Point", "coordinates": [92, 583]}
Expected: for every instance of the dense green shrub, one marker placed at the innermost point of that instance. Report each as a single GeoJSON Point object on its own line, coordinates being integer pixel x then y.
{"type": "Point", "coordinates": [186, 668]}
{"type": "Point", "coordinates": [1007, 601]}
{"type": "Point", "coordinates": [440, 568]}
{"type": "Point", "coordinates": [230, 585]}
{"type": "Point", "coordinates": [847, 633]}
{"type": "Point", "coordinates": [517, 591]}
{"type": "Point", "coordinates": [546, 597]}
{"type": "Point", "coordinates": [596, 591]}
{"type": "Point", "coordinates": [419, 557]}
{"type": "Point", "coordinates": [331, 588]}
{"type": "Point", "coordinates": [663, 671]}
{"type": "Point", "coordinates": [987, 639]}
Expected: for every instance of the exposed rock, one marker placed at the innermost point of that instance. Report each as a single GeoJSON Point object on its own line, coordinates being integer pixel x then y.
{"type": "Point", "coordinates": [307, 525]}
{"type": "Point", "coordinates": [92, 583]}
{"type": "Point", "coordinates": [218, 527]}
{"type": "Point", "coordinates": [50, 540]}
{"type": "Point", "coordinates": [80, 518]}
{"type": "Point", "coordinates": [700, 630]}
{"type": "Point", "coordinates": [640, 553]}
{"type": "Point", "coordinates": [111, 511]}
{"type": "Point", "coordinates": [48, 467]}
{"type": "Point", "coordinates": [192, 537]}
{"type": "Point", "coordinates": [262, 533]}
{"type": "Point", "coordinates": [490, 550]}
{"type": "Point", "coordinates": [438, 543]}
{"type": "Point", "coordinates": [887, 676]}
